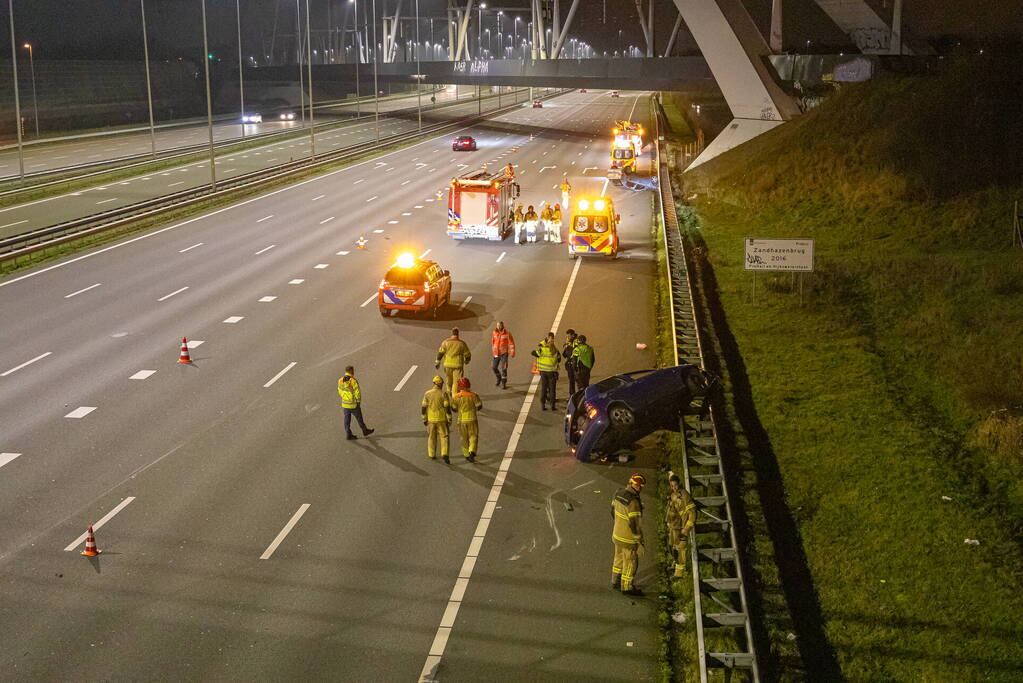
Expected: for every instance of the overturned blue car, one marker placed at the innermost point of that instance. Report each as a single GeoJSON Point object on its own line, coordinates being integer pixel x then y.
{"type": "Point", "coordinates": [616, 412]}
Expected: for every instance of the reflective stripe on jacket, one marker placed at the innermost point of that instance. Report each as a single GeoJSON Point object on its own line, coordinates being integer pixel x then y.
{"type": "Point", "coordinates": [455, 352]}
{"type": "Point", "coordinates": [348, 390]}
{"type": "Point", "coordinates": [547, 358]}
{"type": "Point", "coordinates": [628, 512]}
{"type": "Point", "coordinates": [502, 343]}
{"type": "Point", "coordinates": [680, 511]}
{"type": "Point", "coordinates": [466, 404]}
{"type": "Point", "coordinates": [436, 405]}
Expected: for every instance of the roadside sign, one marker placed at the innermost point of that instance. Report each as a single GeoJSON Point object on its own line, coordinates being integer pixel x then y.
{"type": "Point", "coordinates": [779, 254]}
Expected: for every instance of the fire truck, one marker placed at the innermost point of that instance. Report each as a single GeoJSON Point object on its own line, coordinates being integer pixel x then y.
{"type": "Point", "coordinates": [480, 204]}
{"type": "Point", "coordinates": [626, 146]}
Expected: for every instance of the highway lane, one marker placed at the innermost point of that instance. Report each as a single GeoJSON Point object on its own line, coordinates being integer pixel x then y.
{"type": "Point", "coordinates": [361, 581]}
{"type": "Point", "coordinates": [54, 155]}
{"type": "Point", "coordinates": [36, 214]}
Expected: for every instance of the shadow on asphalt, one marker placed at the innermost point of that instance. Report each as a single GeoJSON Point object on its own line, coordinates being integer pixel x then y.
{"type": "Point", "coordinates": [365, 444]}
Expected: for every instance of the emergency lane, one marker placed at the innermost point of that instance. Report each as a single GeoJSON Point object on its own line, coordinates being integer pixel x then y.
{"type": "Point", "coordinates": [228, 462]}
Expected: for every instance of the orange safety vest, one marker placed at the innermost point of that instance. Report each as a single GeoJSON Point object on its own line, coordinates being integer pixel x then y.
{"type": "Point", "coordinates": [502, 343]}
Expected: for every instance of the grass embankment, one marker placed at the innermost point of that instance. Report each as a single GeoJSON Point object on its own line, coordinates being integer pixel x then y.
{"type": "Point", "coordinates": [879, 425]}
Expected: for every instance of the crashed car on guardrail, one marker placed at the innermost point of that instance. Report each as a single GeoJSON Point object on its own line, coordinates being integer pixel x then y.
{"type": "Point", "coordinates": [616, 412]}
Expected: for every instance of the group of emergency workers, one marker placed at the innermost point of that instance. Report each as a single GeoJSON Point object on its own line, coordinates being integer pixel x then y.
{"type": "Point", "coordinates": [548, 223]}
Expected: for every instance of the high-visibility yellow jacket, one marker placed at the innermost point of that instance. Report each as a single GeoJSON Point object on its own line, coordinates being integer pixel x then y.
{"type": "Point", "coordinates": [436, 405]}
{"type": "Point", "coordinates": [556, 215]}
{"type": "Point", "coordinates": [348, 390]}
{"type": "Point", "coordinates": [628, 514]}
{"type": "Point", "coordinates": [565, 187]}
{"type": "Point", "coordinates": [455, 352]}
{"type": "Point", "coordinates": [680, 511]}
{"type": "Point", "coordinates": [547, 214]}
{"type": "Point", "coordinates": [547, 357]}
{"type": "Point", "coordinates": [466, 404]}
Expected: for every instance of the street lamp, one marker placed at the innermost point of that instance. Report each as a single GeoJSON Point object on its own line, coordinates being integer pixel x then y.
{"type": "Point", "coordinates": [35, 104]}
{"type": "Point", "coordinates": [479, 27]}
{"type": "Point", "coordinates": [516, 41]}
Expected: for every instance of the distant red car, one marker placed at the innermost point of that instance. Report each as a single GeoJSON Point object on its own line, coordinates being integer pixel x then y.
{"type": "Point", "coordinates": [464, 143]}
{"type": "Point", "coordinates": [537, 104]}
{"type": "Point", "coordinates": [582, 89]}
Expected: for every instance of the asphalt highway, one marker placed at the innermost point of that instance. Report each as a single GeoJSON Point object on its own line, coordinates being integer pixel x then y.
{"type": "Point", "coordinates": [55, 155]}
{"type": "Point", "coordinates": [40, 213]}
{"type": "Point", "coordinates": [243, 538]}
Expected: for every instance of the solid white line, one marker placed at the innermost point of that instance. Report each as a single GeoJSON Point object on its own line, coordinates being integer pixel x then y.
{"type": "Point", "coordinates": [264, 250]}
{"type": "Point", "coordinates": [178, 291]}
{"type": "Point", "coordinates": [26, 363]}
{"type": "Point", "coordinates": [368, 301]}
{"type": "Point", "coordinates": [326, 220]}
{"type": "Point", "coordinates": [68, 296]}
{"type": "Point", "coordinates": [95, 527]}
{"type": "Point", "coordinates": [8, 225]}
{"type": "Point", "coordinates": [285, 531]}
{"type": "Point", "coordinates": [7, 457]}
{"type": "Point", "coordinates": [447, 623]}
{"type": "Point", "coordinates": [405, 378]}
{"type": "Point", "coordinates": [465, 303]}
{"type": "Point", "coordinates": [265, 218]}
{"type": "Point", "coordinates": [280, 374]}
{"type": "Point", "coordinates": [425, 254]}
{"type": "Point", "coordinates": [197, 244]}
{"type": "Point", "coordinates": [501, 257]}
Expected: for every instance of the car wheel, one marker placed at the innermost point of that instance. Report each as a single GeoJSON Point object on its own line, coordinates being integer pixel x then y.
{"type": "Point", "coordinates": [384, 312]}
{"type": "Point", "coordinates": [621, 415]}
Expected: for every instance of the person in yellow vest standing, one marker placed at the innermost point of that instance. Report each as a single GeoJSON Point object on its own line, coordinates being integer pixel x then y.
{"type": "Point", "coordinates": [555, 225]}
{"type": "Point", "coordinates": [351, 402]}
{"type": "Point", "coordinates": [455, 354]}
{"type": "Point", "coordinates": [466, 404]}
{"type": "Point", "coordinates": [627, 535]}
{"type": "Point", "coordinates": [436, 408]}
{"type": "Point", "coordinates": [566, 191]}
{"type": "Point", "coordinates": [680, 516]}
{"type": "Point", "coordinates": [547, 361]}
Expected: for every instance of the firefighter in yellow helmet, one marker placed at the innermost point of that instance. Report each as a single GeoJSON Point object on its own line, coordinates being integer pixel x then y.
{"type": "Point", "coordinates": [555, 225]}
{"type": "Point", "coordinates": [546, 219]}
{"type": "Point", "coordinates": [465, 404]}
{"type": "Point", "coordinates": [519, 219]}
{"type": "Point", "coordinates": [627, 534]}
{"type": "Point", "coordinates": [455, 354]}
{"type": "Point", "coordinates": [680, 516]}
{"type": "Point", "coordinates": [436, 410]}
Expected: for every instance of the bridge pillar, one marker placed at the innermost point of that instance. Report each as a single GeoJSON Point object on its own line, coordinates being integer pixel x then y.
{"type": "Point", "coordinates": [736, 54]}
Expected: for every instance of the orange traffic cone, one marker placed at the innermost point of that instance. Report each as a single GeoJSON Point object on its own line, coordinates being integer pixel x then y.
{"type": "Point", "coordinates": [535, 371]}
{"type": "Point", "coordinates": [184, 358]}
{"type": "Point", "coordinates": [361, 242]}
{"type": "Point", "coordinates": [90, 544]}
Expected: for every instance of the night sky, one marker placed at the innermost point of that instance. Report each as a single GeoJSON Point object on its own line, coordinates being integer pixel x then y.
{"type": "Point", "coordinates": [109, 29]}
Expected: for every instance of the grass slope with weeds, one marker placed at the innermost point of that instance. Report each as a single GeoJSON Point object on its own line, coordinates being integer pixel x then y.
{"type": "Point", "coordinates": [879, 426]}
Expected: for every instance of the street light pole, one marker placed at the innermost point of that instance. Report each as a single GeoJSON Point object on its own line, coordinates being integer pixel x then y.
{"type": "Point", "coordinates": [209, 101]}
{"type": "Point", "coordinates": [419, 75]}
{"type": "Point", "coordinates": [309, 61]}
{"type": "Point", "coordinates": [376, 87]}
{"type": "Point", "coordinates": [358, 58]}
{"type": "Point", "coordinates": [17, 100]}
{"type": "Point", "coordinates": [149, 86]}
{"type": "Point", "coordinates": [35, 102]}
{"type": "Point", "coordinates": [241, 82]}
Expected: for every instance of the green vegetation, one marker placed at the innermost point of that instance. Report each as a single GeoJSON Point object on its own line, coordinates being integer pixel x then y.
{"type": "Point", "coordinates": [879, 425]}
{"type": "Point", "coordinates": [680, 130]}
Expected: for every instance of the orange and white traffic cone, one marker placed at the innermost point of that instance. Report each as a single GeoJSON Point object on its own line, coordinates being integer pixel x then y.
{"type": "Point", "coordinates": [184, 357]}
{"type": "Point", "coordinates": [90, 544]}
{"type": "Point", "coordinates": [440, 194]}
{"type": "Point", "coordinates": [535, 371]}
{"type": "Point", "coordinates": [361, 241]}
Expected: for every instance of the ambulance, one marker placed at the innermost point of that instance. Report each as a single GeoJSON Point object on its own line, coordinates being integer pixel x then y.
{"type": "Point", "coordinates": [593, 230]}
{"type": "Point", "coordinates": [626, 146]}
{"type": "Point", "coordinates": [480, 204]}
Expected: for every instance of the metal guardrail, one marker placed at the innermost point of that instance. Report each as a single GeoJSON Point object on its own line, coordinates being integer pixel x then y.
{"type": "Point", "coordinates": [37, 240]}
{"type": "Point", "coordinates": [719, 593]}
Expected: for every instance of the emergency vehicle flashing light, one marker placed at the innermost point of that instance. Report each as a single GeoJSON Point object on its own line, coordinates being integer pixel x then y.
{"type": "Point", "coordinates": [584, 204]}
{"type": "Point", "coordinates": [406, 260]}
{"type": "Point", "coordinates": [599, 205]}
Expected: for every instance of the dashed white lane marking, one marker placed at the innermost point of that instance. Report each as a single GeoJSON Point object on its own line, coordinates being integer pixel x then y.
{"type": "Point", "coordinates": [195, 343]}
{"type": "Point", "coordinates": [343, 253]}
{"type": "Point", "coordinates": [404, 379]}
{"type": "Point", "coordinates": [99, 524]}
{"type": "Point", "coordinates": [318, 197]}
{"type": "Point", "coordinates": [280, 374]}
{"type": "Point", "coordinates": [8, 225]}
{"type": "Point", "coordinates": [465, 303]}
{"type": "Point", "coordinates": [425, 254]}
{"type": "Point", "coordinates": [265, 218]}
{"type": "Point", "coordinates": [296, 281]}
{"type": "Point", "coordinates": [326, 220]}
{"type": "Point", "coordinates": [501, 257]}
{"type": "Point", "coordinates": [447, 622]}
{"type": "Point", "coordinates": [418, 206]}
{"type": "Point", "coordinates": [180, 182]}
{"type": "Point", "coordinates": [285, 531]}
{"type": "Point", "coordinates": [368, 301]}
{"type": "Point", "coordinates": [267, 299]}
{"type": "Point", "coordinates": [360, 180]}
{"type": "Point", "coordinates": [167, 296]}
{"type": "Point", "coordinates": [321, 266]}
{"type": "Point", "coordinates": [406, 213]}
{"type": "Point", "coordinates": [80, 412]}
{"type": "Point", "coordinates": [233, 319]}
{"type": "Point", "coordinates": [378, 231]}
{"type": "Point", "coordinates": [84, 289]}
{"type": "Point", "coordinates": [406, 182]}
{"type": "Point", "coordinates": [7, 457]}
{"type": "Point", "coordinates": [197, 244]}
{"type": "Point", "coordinates": [390, 223]}
{"type": "Point", "coordinates": [143, 374]}
{"type": "Point", "coordinates": [264, 250]}
{"type": "Point", "coordinates": [590, 168]}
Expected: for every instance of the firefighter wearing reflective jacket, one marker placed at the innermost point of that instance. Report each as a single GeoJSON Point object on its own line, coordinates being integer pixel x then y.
{"type": "Point", "coordinates": [531, 220]}
{"type": "Point", "coordinates": [680, 516]}
{"type": "Point", "coordinates": [546, 221]}
{"type": "Point", "coordinates": [555, 224]}
{"type": "Point", "coordinates": [627, 534]}
{"type": "Point", "coordinates": [547, 361]}
{"type": "Point", "coordinates": [465, 404]}
{"type": "Point", "coordinates": [455, 354]}
{"type": "Point", "coordinates": [502, 345]}
{"type": "Point", "coordinates": [436, 411]}
{"type": "Point", "coordinates": [519, 219]}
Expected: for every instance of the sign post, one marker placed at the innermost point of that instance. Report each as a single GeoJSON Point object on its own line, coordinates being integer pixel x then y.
{"type": "Point", "coordinates": [790, 255]}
